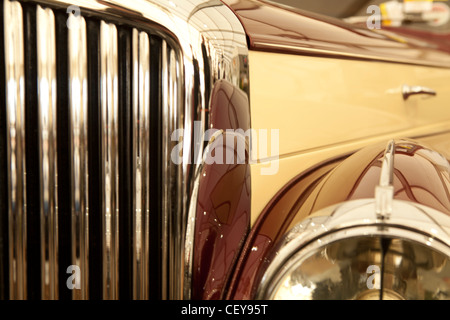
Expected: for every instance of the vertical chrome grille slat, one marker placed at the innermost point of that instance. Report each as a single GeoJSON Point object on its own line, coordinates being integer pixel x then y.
{"type": "Point", "coordinates": [15, 113]}
{"type": "Point", "coordinates": [109, 140]}
{"type": "Point", "coordinates": [171, 180]}
{"type": "Point", "coordinates": [165, 170]}
{"type": "Point", "coordinates": [176, 215]}
{"type": "Point", "coordinates": [79, 154]}
{"type": "Point", "coordinates": [46, 52]}
{"type": "Point", "coordinates": [141, 129]}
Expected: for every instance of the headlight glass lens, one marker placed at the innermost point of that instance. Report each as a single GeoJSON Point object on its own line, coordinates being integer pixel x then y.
{"type": "Point", "coordinates": [367, 268]}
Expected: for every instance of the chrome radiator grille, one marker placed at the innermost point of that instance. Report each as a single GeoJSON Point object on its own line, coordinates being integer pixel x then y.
{"type": "Point", "coordinates": [85, 121]}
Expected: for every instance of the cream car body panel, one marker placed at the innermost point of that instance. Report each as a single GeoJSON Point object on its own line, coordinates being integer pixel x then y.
{"type": "Point", "coordinates": [326, 107]}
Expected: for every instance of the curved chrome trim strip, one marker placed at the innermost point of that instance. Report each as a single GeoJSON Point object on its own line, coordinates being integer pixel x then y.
{"type": "Point", "coordinates": [77, 49]}
{"type": "Point", "coordinates": [109, 158]}
{"type": "Point", "coordinates": [141, 148]}
{"type": "Point", "coordinates": [190, 236]}
{"type": "Point", "coordinates": [349, 55]}
{"type": "Point", "coordinates": [46, 52]}
{"type": "Point", "coordinates": [15, 114]}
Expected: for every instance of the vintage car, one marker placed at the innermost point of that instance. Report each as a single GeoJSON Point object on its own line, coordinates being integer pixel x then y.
{"type": "Point", "coordinates": [235, 149]}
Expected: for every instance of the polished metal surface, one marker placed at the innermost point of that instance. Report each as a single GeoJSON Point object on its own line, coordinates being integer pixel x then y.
{"type": "Point", "coordinates": [78, 104]}
{"type": "Point", "coordinates": [408, 91]}
{"type": "Point", "coordinates": [415, 234]}
{"type": "Point", "coordinates": [141, 154]}
{"type": "Point", "coordinates": [350, 269]}
{"type": "Point", "coordinates": [15, 114]}
{"type": "Point", "coordinates": [173, 225]}
{"type": "Point", "coordinates": [47, 109]}
{"type": "Point", "coordinates": [387, 167]}
{"type": "Point", "coordinates": [109, 151]}
{"type": "Point", "coordinates": [165, 223]}
{"type": "Point", "coordinates": [384, 192]}
{"type": "Point", "coordinates": [190, 236]}
{"type": "Point", "coordinates": [202, 42]}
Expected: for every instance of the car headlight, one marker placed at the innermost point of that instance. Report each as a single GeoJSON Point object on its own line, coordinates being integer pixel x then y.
{"type": "Point", "coordinates": [348, 252]}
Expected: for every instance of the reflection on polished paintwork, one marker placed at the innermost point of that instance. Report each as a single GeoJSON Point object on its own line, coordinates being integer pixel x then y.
{"type": "Point", "coordinates": [357, 177]}
{"type": "Point", "coordinates": [272, 27]}
{"type": "Point", "coordinates": [420, 176]}
{"type": "Point", "coordinates": [272, 225]}
{"type": "Point", "coordinates": [223, 207]}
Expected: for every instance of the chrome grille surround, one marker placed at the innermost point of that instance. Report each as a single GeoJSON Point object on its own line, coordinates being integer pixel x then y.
{"type": "Point", "coordinates": [200, 42]}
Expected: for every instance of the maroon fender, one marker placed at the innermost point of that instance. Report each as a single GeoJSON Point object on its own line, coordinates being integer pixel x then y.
{"type": "Point", "coordinates": [223, 207]}
{"type": "Point", "coordinates": [420, 176]}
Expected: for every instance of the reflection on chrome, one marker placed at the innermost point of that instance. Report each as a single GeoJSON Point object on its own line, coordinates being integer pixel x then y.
{"type": "Point", "coordinates": [141, 110]}
{"type": "Point", "coordinates": [339, 271]}
{"type": "Point", "coordinates": [15, 114]}
{"type": "Point", "coordinates": [166, 196]}
{"type": "Point", "coordinates": [408, 91]}
{"type": "Point", "coordinates": [79, 160]}
{"type": "Point", "coordinates": [109, 140]}
{"type": "Point", "coordinates": [384, 192]}
{"type": "Point", "coordinates": [209, 45]}
{"type": "Point", "coordinates": [173, 223]}
{"type": "Point", "coordinates": [46, 57]}
{"type": "Point", "coordinates": [202, 42]}
{"type": "Point", "coordinates": [333, 254]}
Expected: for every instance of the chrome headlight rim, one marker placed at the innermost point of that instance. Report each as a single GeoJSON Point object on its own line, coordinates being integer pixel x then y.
{"type": "Point", "coordinates": [352, 220]}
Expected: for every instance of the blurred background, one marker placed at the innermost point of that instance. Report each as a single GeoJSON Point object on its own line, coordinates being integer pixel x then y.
{"type": "Point", "coordinates": [414, 14]}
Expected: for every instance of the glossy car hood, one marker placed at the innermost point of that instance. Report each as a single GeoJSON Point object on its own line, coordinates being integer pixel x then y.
{"type": "Point", "coordinates": [272, 27]}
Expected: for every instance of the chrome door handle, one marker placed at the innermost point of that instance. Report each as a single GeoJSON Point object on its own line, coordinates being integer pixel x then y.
{"type": "Point", "coordinates": [408, 91]}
